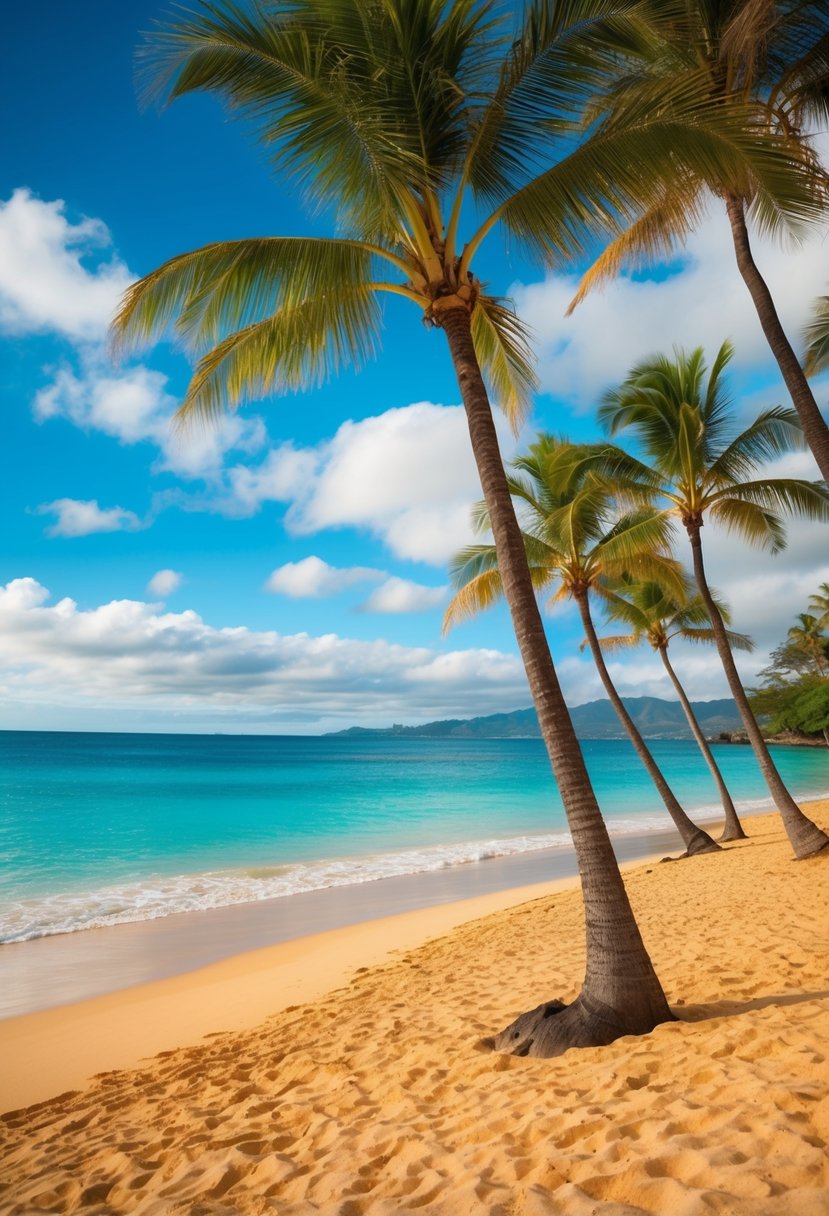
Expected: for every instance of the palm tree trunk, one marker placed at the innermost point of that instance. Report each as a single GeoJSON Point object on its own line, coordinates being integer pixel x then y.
{"type": "Point", "coordinates": [733, 829]}
{"type": "Point", "coordinates": [805, 837]}
{"type": "Point", "coordinates": [694, 838]}
{"type": "Point", "coordinates": [814, 425]}
{"type": "Point", "coordinates": [621, 993]}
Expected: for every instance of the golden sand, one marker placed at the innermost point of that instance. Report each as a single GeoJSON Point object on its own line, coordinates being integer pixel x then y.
{"type": "Point", "coordinates": [374, 1098]}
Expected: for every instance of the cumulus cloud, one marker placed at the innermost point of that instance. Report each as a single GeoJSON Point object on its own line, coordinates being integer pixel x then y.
{"type": "Point", "coordinates": [51, 275]}
{"type": "Point", "coordinates": [76, 517]}
{"type": "Point", "coordinates": [312, 578]}
{"type": "Point", "coordinates": [129, 654]}
{"type": "Point", "coordinates": [133, 405]}
{"type": "Point", "coordinates": [406, 476]}
{"type": "Point", "coordinates": [397, 595]}
{"type": "Point", "coordinates": [700, 303]}
{"type": "Point", "coordinates": [164, 583]}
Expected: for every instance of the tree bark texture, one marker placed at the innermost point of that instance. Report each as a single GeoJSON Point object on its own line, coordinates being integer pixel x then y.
{"type": "Point", "coordinates": [621, 993]}
{"type": "Point", "coordinates": [815, 428]}
{"type": "Point", "coordinates": [732, 829]}
{"type": "Point", "coordinates": [805, 837]}
{"type": "Point", "coordinates": [693, 837]}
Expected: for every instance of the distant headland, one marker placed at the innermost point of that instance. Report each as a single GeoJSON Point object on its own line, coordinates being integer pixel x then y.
{"type": "Point", "coordinates": [655, 718]}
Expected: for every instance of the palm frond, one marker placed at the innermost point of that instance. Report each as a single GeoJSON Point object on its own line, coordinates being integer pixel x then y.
{"type": "Point", "coordinates": [737, 641]}
{"type": "Point", "coordinates": [205, 294]}
{"type": "Point", "coordinates": [816, 336]}
{"type": "Point", "coordinates": [480, 593]}
{"type": "Point", "coordinates": [309, 80]}
{"type": "Point", "coordinates": [506, 358]}
{"type": "Point", "coordinates": [296, 347]}
{"type": "Point", "coordinates": [651, 237]}
{"type": "Point", "coordinates": [749, 520]}
{"type": "Point", "coordinates": [773, 433]}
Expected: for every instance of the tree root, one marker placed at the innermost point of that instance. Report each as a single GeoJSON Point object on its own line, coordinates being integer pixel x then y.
{"type": "Point", "coordinates": [553, 1028]}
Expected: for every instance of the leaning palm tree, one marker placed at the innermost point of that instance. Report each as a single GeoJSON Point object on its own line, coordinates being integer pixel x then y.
{"type": "Point", "coordinates": [576, 541]}
{"type": "Point", "coordinates": [409, 120]}
{"type": "Point", "coordinates": [769, 57]}
{"type": "Point", "coordinates": [657, 616]}
{"type": "Point", "coordinates": [704, 468]}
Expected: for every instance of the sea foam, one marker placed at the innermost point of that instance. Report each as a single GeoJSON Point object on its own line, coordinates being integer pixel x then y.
{"type": "Point", "coordinates": [165, 895]}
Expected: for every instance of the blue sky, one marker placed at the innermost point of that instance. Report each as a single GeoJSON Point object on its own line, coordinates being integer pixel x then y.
{"type": "Point", "coordinates": [286, 571]}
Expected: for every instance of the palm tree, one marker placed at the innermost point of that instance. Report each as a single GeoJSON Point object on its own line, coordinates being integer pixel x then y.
{"type": "Point", "coordinates": [704, 468]}
{"type": "Point", "coordinates": [770, 58]}
{"type": "Point", "coordinates": [657, 616]}
{"type": "Point", "coordinates": [808, 637]}
{"type": "Point", "coordinates": [407, 120]}
{"type": "Point", "coordinates": [819, 603]}
{"type": "Point", "coordinates": [575, 540]}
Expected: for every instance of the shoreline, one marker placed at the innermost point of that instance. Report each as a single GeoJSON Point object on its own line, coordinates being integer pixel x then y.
{"type": "Point", "coordinates": [46, 1051]}
{"type": "Point", "coordinates": [64, 968]}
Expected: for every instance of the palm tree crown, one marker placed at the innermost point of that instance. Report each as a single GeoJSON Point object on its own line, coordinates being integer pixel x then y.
{"type": "Point", "coordinates": [700, 462]}
{"type": "Point", "coordinates": [769, 59]}
{"type": "Point", "coordinates": [407, 118]}
{"type": "Point", "coordinates": [575, 537]}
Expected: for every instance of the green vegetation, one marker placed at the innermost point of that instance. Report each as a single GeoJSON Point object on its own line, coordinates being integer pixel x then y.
{"type": "Point", "coordinates": [794, 693]}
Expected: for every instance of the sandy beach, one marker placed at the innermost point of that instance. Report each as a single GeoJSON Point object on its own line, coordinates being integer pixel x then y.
{"type": "Point", "coordinates": [342, 1073]}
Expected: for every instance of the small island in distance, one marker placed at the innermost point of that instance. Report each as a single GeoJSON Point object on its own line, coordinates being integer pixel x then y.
{"type": "Point", "coordinates": [655, 718]}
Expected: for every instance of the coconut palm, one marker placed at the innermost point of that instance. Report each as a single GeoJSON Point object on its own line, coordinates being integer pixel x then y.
{"type": "Point", "coordinates": [809, 638]}
{"type": "Point", "coordinates": [657, 616]}
{"type": "Point", "coordinates": [410, 120]}
{"type": "Point", "coordinates": [770, 58]}
{"type": "Point", "coordinates": [704, 468]}
{"type": "Point", "coordinates": [575, 541]}
{"type": "Point", "coordinates": [819, 603]}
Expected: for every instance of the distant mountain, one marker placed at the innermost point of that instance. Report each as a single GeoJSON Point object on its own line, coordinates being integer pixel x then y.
{"type": "Point", "coordinates": [656, 719]}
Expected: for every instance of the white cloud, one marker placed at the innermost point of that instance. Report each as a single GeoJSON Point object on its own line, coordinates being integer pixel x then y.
{"type": "Point", "coordinates": [44, 283]}
{"type": "Point", "coordinates": [312, 578]}
{"type": "Point", "coordinates": [76, 517]}
{"type": "Point", "coordinates": [407, 476]}
{"type": "Point", "coordinates": [402, 595]}
{"type": "Point", "coordinates": [701, 303]}
{"type": "Point", "coordinates": [133, 405]}
{"type": "Point", "coordinates": [128, 655]}
{"type": "Point", "coordinates": [164, 583]}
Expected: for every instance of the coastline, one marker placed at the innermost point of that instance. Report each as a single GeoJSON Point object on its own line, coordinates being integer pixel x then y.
{"type": "Point", "coordinates": [374, 1097]}
{"type": "Point", "coordinates": [48, 1050]}
{"type": "Point", "coordinates": [65, 968]}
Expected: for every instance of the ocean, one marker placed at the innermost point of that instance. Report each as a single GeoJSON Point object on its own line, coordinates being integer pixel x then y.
{"type": "Point", "coordinates": [107, 829]}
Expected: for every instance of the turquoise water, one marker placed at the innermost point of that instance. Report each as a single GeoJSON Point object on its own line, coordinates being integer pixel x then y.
{"type": "Point", "coordinates": [105, 828]}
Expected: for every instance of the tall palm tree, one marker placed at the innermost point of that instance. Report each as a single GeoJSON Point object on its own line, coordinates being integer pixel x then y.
{"type": "Point", "coordinates": [576, 541]}
{"type": "Point", "coordinates": [704, 468]}
{"type": "Point", "coordinates": [409, 120]}
{"type": "Point", "coordinates": [771, 58]}
{"type": "Point", "coordinates": [657, 616]}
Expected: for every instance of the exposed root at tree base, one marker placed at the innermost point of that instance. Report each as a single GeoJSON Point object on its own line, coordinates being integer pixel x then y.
{"type": "Point", "coordinates": [553, 1028]}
